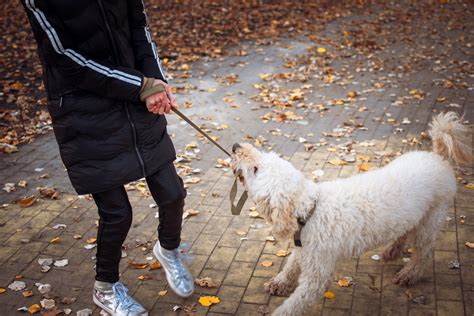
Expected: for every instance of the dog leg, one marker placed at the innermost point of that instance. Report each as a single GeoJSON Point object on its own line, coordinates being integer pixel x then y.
{"type": "Point", "coordinates": [286, 281]}
{"type": "Point", "coordinates": [316, 271]}
{"type": "Point", "coordinates": [424, 238]}
{"type": "Point", "coordinates": [394, 249]}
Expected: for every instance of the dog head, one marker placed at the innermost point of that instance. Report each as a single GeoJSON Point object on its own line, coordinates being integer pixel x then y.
{"type": "Point", "coordinates": [273, 183]}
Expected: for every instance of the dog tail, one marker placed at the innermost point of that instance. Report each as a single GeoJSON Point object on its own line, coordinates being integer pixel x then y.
{"type": "Point", "coordinates": [451, 139]}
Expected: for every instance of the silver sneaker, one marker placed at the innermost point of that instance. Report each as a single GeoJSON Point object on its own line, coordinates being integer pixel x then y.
{"type": "Point", "coordinates": [117, 302]}
{"type": "Point", "coordinates": [179, 278]}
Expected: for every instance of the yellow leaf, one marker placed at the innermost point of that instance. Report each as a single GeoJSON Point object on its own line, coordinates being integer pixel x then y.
{"type": "Point", "coordinates": [440, 99]}
{"type": "Point", "coordinates": [254, 214]}
{"type": "Point", "coordinates": [33, 309]}
{"type": "Point", "coordinates": [329, 295]}
{"type": "Point", "coordinates": [137, 265]}
{"type": "Point", "coordinates": [337, 162]}
{"type": "Point", "coordinates": [469, 244]}
{"type": "Point", "coordinates": [91, 240]}
{"type": "Point", "coordinates": [321, 50]}
{"type": "Point", "coordinates": [162, 293]}
{"type": "Point", "coordinates": [266, 264]}
{"type": "Point", "coordinates": [208, 300]}
{"type": "Point", "coordinates": [264, 76]}
{"type": "Point", "coordinates": [363, 167]}
{"type": "Point", "coordinates": [2, 290]}
{"type": "Point", "coordinates": [344, 282]}
{"type": "Point", "coordinates": [54, 240]}
{"type": "Point", "coordinates": [469, 186]}
{"type": "Point", "coordinates": [282, 253]}
{"type": "Point", "coordinates": [27, 293]}
{"type": "Point", "coordinates": [212, 90]}
{"type": "Point", "coordinates": [155, 265]}
{"type": "Point", "coordinates": [228, 100]}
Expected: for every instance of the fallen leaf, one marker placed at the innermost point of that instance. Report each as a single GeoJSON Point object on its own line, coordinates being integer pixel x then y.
{"type": "Point", "coordinates": [469, 186]}
{"type": "Point", "coordinates": [205, 282]}
{"type": "Point", "coordinates": [363, 167]}
{"type": "Point", "coordinates": [254, 214]}
{"type": "Point", "coordinates": [162, 293]}
{"type": "Point", "coordinates": [48, 192]}
{"type": "Point", "coordinates": [154, 265]}
{"type": "Point", "coordinates": [27, 293]}
{"type": "Point", "coordinates": [2, 290]}
{"type": "Point", "coordinates": [9, 187]}
{"type": "Point", "coordinates": [345, 282]}
{"type": "Point", "coordinates": [91, 240]}
{"type": "Point", "coordinates": [337, 162]}
{"type": "Point", "coordinates": [54, 240]}
{"type": "Point", "coordinates": [208, 300]}
{"type": "Point", "coordinates": [321, 50]}
{"type": "Point", "coordinates": [144, 277]}
{"type": "Point", "coordinates": [27, 201]}
{"type": "Point", "coordinates": [269, 238]}
{"type": "Point", "coordinates": [22, 183]}
{"type": "Point", "coordinates": [138, 265]}
{"type": "Point", "coordinates": [33, 309]}
{"type": "Point", "coordinates": [329, 295]}
{"type": "Point", "coordinates": [190, 212]}
{"type": "Point", "coordinates": [469, 244]}
{"type": "Point", "coordinates": [282, 253]}
{"type": "Point", "coordinates": [266, 264]}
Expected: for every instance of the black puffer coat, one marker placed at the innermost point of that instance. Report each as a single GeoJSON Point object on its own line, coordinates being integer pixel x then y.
{"type": "Point", "coordinates": [95, 54]}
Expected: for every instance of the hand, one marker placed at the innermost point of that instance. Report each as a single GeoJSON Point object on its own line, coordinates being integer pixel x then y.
{"type": "Point", "coordinates": [161, 102]}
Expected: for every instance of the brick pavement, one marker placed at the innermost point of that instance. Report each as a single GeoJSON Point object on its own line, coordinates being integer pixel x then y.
{"type": "Point", "coordinates": [214, 237]}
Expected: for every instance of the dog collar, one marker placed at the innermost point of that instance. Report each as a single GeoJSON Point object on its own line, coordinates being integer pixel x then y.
{"type": "Point", "coordinates": [301, 223]}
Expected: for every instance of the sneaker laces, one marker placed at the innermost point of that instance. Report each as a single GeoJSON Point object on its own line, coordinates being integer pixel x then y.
{"type": "Point", "coordinates": [123, 298]}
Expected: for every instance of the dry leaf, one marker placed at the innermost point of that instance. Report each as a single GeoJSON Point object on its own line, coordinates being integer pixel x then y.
{"type": "Point", "coordinates": [154, 265]}
{"type": "Point", "coordinates": [345, 282]}
{"type": "Point", "coordinates": [27, 201]}
{"type": "Point", "coordinates": [282, 253]}
{"type": "Point", "coordinates": [209, 300]}
{"type": "Point", "coordinates": [363, 167]}
{"type": "Point", "coordinates": [329, 295]}
{"type": "Point", "coordinates": [27, 293]}
{"type": "Point", "coordinates": [269, 238]}
{"type": "Point", "coordinates": [77, 236]}
{"type": "Point", "coordinates": [91, 240]}
{"type": "Point", "coordinates": [337, 162]}
{"type": "Point", "coordinates": [48, 192]}
{"type": "Point", "coordinates": [190, 212]}
{"type": "Point", "coordinates": [138, 265]}
{"type": "Point", "coordinates": [266, 264]}
{"type": "Point", "coordinates": [54, 240]}
{"type": "Point", "coordinates": [469, 244]}
{"type": "Point", "coordinates": [33, 309]}
{"type": "Point", "coordinates": [144, 277]}
{"type": "Point", "coordinates": [162, 293]}
{"type": "Point", "coordinates": [205, 282]}
{"type": "Point", "coordinates": [254, 214]}
{"type": "Point", "coordinates": [2, 290]}
{"type": "Point", "coordinates": [22, 183]}
{"type": "Point", "coordinates": [469, 186]}
{"type": "Point", "coordinates": [321, 50]}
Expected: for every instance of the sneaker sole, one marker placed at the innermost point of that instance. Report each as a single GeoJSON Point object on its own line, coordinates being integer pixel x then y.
{"type": "Point", "coordinates": [168, 276]}
{"type": "Point", "coordinates": [98, 303]}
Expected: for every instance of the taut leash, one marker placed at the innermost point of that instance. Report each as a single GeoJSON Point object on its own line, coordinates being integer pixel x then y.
{"type": "Point", "coordinates": [235, 209]}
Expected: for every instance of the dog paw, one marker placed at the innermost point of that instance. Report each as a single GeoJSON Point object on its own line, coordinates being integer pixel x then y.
{"type": "Point", "coordinates": [277, 288]}
{"type": "Point", "coordinates": [404, 278]}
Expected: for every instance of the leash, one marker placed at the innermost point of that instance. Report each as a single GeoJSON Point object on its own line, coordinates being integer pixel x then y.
{"type": "Point", "coordinates": [235, 209]}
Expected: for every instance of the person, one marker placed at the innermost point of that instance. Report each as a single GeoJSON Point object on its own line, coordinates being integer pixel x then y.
{"type": "Point", "coordinates": [107, 95]}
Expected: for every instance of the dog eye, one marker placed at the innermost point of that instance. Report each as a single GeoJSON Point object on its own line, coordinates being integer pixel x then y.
{"type": "Point", "coordinates": [255, 169]}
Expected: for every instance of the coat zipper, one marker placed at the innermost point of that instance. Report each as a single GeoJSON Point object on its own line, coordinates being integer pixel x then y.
{"type": "Point", "coordinates": [129, 116]}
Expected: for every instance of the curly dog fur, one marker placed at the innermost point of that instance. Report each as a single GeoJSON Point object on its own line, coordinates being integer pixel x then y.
{"type": "Point", "coordinates": [408, 198]}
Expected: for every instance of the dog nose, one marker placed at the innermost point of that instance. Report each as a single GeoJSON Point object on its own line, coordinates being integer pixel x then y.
{"type": "Point", "coordinates": [235, 147]}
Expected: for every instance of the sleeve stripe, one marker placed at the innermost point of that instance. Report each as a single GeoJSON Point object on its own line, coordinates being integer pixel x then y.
{"type": "Point", "coordinates": [76, 57]}
{"type": "Point", "coordinates": [153, 46]}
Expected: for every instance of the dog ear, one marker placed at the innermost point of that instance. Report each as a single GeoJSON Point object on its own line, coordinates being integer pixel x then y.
{"type": "Point", "coordinates": [283, 219]}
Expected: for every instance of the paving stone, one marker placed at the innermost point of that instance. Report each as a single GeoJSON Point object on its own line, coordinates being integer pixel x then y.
{"type": "Point", "coordinates": [255, 291]}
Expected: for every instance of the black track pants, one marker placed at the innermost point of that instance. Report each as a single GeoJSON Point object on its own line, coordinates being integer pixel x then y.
{"type": "Point", "coordinates": [115, 213]}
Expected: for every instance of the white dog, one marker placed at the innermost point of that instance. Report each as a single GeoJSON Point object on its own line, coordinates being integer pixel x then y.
{"type": "Point", "coordinates": [346, 217]}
